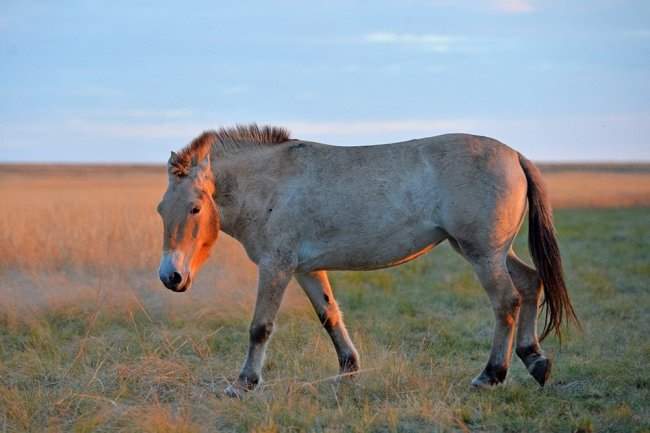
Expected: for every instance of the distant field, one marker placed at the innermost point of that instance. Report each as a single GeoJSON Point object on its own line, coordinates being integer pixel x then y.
{"type": "Point", "coordinates": [598, 185]}
{"type": "Point", "coordinates": [91, 341]}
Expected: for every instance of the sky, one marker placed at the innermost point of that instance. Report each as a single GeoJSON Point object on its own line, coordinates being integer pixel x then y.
{"type": "Point", "coordinates": [128, 81]}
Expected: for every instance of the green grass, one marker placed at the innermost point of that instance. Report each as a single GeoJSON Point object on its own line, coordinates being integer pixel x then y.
{"type": "Point", "coordinates": [422, 329]}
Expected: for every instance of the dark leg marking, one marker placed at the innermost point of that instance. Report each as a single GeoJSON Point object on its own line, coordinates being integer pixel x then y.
{"type": "Point", "coordinates": [530, 351]}
{"type": "Point", "coordinates": [490, 376]}
{"type": "Point", "coordinates": [537, 364]}
{"type": "Point", "coordinates": [495, 373]}
{"type": "Point", "coordinates": [260, 333]}
{"type": "Point", "coordinates": [326, 321]}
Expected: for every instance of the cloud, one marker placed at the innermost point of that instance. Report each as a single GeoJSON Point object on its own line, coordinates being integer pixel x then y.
{"type": "Point", "coordinates": [187, 130]}
{"type": "Point", "coordinates": [435, 42]}
{"type": "Point", "coordinates": [133, 130]}
{"type": "Point", "coordinates": [551, 138]}
{"type": "Point", "coordinates": [145, 129]}
{"type": "Point", "coordinates": [513, 6]}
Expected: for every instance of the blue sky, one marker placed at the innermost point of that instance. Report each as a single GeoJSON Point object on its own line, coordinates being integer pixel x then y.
{"type": "Point", "coordinates": [92, 81]}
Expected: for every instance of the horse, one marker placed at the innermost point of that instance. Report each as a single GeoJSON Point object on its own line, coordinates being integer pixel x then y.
{"type": "Point", "coordinates": [302, 208]}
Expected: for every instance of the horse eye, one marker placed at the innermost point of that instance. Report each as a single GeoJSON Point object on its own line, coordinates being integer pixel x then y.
{"type": "Point", "coordinates": [195, 210]}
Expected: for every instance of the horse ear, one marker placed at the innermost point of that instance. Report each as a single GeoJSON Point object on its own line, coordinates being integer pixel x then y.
{"type": "Point", "coordinates": [175, 166]}
{"type": "Point", "coordinates": [172, 162]}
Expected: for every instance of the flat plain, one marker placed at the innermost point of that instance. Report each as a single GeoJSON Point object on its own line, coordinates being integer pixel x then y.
{"type": "Point", "coordinates": [90, 341]}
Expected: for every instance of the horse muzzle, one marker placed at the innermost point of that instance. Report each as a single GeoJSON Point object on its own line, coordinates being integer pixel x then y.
{"type": "Point", "coordinates": [176, 283]}
{"type": "Point", "coordinates": [171, 277]}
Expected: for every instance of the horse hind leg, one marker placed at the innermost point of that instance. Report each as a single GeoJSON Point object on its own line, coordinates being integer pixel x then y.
{"type": "Point", "coordinates": [505, 301]}
{"type": "Point", "coordinates": [528, 349]}
{"type": "Point", "coordinates": [493, 275]}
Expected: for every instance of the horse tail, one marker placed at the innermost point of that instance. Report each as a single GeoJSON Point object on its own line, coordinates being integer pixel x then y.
{"type": "Point", "coordinates": [545, 253]}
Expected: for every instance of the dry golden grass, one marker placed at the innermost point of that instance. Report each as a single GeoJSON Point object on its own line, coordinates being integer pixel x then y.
{"type": "Point", "coordinates": [73, 220]}
{"type": "Point", "coordinates": [91, 341]}
{"type": "Point", "coordinates": [72, 233]}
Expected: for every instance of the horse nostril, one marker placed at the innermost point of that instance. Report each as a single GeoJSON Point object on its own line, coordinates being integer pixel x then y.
{"type": "Point", "coordinates": [175, 278]}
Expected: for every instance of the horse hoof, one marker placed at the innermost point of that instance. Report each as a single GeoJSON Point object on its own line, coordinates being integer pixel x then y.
{"type": "Point", "coordinates": [349, 364]}
{"type": "Point", "coordinates": [481, 382]}
{"type": "Point", "coordinates": [490, 377]}
{"type": "Point", "coordinates": [477, 385]}
{"type": "Point", "coordinates": [234, 391]}
{"type": "Point", "coordinates": [541, 370]}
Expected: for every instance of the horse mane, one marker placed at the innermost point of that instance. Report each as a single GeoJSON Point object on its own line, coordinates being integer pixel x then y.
{"type": "Point", "coordinates": [226, 139]}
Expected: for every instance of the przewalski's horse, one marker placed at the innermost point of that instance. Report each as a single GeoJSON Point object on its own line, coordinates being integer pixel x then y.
{"type": "Point", "coordinates": [301, 208]}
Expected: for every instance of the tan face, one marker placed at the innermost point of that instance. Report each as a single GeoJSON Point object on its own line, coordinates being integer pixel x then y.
{"type": "Point", "coordinates": [191, 226]}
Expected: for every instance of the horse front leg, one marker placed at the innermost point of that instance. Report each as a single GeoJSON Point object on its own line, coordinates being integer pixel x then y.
{"type": "Point", "coordinates": [317, 287]}
{"type": "Point", "coordinates": [274, 277]}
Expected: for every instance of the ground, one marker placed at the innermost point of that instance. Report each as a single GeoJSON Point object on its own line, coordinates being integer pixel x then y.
{"type": "Point", "coordinates": [90, 341]}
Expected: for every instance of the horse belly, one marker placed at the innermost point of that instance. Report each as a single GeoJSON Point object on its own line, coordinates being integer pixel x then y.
{"type": "Point", "coordinates": [368, 253]}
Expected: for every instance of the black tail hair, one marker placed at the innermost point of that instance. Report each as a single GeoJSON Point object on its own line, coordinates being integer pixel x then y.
{"type": "Point", "coordinates": [546, 254]}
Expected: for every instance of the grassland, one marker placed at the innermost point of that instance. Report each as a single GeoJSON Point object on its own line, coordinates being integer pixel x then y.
{"type": "Point", "coordinates": [91, 342]}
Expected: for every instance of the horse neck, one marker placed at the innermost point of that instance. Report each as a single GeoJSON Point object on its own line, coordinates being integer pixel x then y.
{"type": "Point", "coordinates": [233, 174]}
